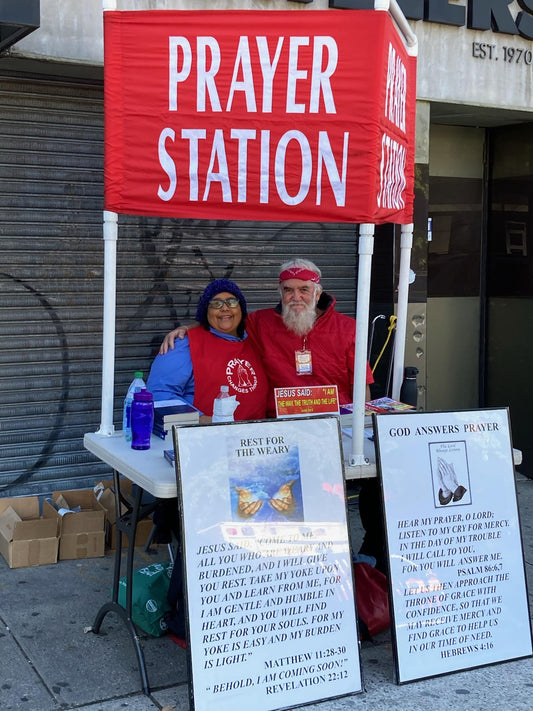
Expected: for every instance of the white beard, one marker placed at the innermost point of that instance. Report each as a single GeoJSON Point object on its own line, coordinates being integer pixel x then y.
{"type": "Point", "coordinates": [300, 323]}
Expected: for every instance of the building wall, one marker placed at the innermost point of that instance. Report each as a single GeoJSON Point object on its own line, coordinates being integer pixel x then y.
{"type": "Point", "coordinates": [72, 31]}
{"type": "Point", "coordinates": [456, 65]}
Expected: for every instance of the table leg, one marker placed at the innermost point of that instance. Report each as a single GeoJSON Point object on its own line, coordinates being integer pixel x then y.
{"type": "Point", "coordinates": [127, 524]}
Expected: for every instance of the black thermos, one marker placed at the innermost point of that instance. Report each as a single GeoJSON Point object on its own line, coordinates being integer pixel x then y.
{"type": "Point", "coordinates": [408, 391]}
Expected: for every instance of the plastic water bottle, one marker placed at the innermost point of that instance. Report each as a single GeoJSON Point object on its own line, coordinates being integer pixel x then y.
{"type": "Point", "coordinates": [142, 419]}
{"type": "Point", "coordinates": [221, 412]}
{"type": "Point", "coordinates": [224, 392]}
{"type": "Point", "coordinates": [136, 384]}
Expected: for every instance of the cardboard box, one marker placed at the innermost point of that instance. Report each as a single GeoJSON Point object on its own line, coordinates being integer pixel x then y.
{"type": "Point", "coordinates": [82, 533]}
{"type": "Point", "coordinates": [144, 528]}
{"type": "Point", "coordinates": [26, 539]}
{"type": "Point", "coordinates": [105, 493]}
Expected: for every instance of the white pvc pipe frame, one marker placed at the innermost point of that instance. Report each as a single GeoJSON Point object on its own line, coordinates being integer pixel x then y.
{"type": "Point", "coordinates": [366, 248]}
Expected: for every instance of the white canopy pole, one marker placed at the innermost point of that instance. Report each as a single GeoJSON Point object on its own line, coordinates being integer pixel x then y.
{"type": "Point", "coordinates": [108, 347]}
{"type": "Point", "coordinates": [406, 243]}
{"type": "Point", "coordinates": [396, 12]}
{"type": "Point", "coordinates": [366, 250]}
{"type": "Point", "coordinates": [110, 234]}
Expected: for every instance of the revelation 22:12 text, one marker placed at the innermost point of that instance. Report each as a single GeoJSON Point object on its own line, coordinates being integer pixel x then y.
{"type": "Point", "coordinates": [511, 55]}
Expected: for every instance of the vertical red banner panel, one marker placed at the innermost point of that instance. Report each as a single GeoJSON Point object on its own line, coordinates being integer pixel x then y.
{"type": "Point", "coordinates": [259, 115]}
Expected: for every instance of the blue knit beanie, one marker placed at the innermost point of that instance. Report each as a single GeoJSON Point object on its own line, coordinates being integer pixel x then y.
{"type": "Point", "coordinates": [217, 287]}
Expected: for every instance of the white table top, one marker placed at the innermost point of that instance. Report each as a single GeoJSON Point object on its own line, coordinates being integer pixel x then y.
{"type": "Point", "coordinates": [147, 468]}
{"type": "Point", "coordinates": [152, 472]}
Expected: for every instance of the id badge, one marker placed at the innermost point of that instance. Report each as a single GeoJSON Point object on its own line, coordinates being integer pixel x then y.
{"type": "Point", "coordinates": [304, 363]}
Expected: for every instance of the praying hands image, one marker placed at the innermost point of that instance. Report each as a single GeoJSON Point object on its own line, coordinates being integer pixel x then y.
{"type": "Point", "coordinates": [450, 489]}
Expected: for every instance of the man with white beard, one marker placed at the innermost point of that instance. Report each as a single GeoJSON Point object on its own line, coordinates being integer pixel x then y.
{"type": "Point", "coordinates": [303, 341]}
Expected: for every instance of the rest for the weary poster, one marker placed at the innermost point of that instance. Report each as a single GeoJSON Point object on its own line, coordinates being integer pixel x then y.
{"type": "Point", "coordinates": [268, 566]}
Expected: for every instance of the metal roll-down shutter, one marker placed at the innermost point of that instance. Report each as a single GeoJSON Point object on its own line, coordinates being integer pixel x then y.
{"type": "Point", "coordinates": [51, 279]}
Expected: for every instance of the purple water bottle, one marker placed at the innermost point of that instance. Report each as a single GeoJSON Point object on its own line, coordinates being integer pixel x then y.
{"type": "Point", "coordinates": [142, 419]}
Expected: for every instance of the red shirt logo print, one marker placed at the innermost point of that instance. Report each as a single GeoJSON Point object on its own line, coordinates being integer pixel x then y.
{"type": "Point", "coordinates": [241, 375]}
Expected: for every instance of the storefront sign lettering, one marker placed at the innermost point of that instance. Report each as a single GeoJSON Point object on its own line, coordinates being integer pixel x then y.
{"type": "Point", "coordinates": [511, 55]}
{"type": "Point", "coordinates": [495, 15]}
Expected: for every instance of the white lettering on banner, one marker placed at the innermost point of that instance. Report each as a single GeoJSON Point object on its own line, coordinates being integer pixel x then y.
{"type": "Point", "coordinates": [265, 153]}
{"type": "Point", "coordinates": [167, 164]}
{"type": "Point", "coordinates": [242, 136]}
{"type": "Point", "coordinates": [306, 88]}
{"type": "Point", "coordinates": [279, 170]}
{"type": "Point", "coordinates": [313, 158]}
{"type": "Point", "coordinates": [243, 62]}
{"type": "Point", "coordinates": [268, 69]}
{"type": "Point", "coordinates": [194, 135]}
{"type": "Point", "coordinates": [175, 76]}
{"type": "Point", "coordinates": [320, 83]}
{"type": "Point", "coordinates": [392, 174]}
{"type": "Point", "coordinates": [295, 74]}
{"type": "Point", "coordinates": [218, 154]}
{"type": "Point", "coordinates": [325, 155]}
{"type": "Point", "coordinates": [206, 77]}
{"type": "Point", "coordinates": [209, 61]}
{"type": "Point", "coordinates": [396, 89]}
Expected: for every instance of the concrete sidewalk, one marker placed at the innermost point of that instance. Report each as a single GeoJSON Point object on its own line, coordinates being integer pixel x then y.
{"type": "Point", "coordinates": [51, 663]}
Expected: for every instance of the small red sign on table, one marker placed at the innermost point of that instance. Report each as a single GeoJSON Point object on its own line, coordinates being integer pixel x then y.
{"type": "Point", "coordinates": [311, 400]}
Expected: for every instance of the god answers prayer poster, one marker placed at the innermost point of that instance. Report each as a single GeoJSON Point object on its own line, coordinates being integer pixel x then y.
{"type": "Point", "coordinates": [268, 571]}
{"type": "Point", "coordinates": [459, 597]}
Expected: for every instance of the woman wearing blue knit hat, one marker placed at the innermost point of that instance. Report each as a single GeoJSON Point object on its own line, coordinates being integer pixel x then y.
{"type": "Point", "coordinates": [217, 354]}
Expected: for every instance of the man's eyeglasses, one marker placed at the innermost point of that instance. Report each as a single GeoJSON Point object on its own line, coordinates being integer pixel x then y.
{"type": "Point", "coordinates": [232, 303]}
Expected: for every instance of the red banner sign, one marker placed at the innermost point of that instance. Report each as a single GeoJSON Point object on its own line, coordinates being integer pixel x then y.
{"type": "Point", "coordinates": [259, 115]}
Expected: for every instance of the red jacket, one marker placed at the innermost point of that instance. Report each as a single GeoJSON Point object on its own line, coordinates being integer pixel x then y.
{"type": "Point", "coordinates": [331, 342]}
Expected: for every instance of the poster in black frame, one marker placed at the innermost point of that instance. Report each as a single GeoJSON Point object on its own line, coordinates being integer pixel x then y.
{"type": "Point", "coordinates": [268, 573]}
{"type": "Point", "coordinates": [457, 577]}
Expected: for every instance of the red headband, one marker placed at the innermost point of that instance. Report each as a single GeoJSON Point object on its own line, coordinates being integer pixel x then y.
{"type": "Point", "coordinates": [299, 273]}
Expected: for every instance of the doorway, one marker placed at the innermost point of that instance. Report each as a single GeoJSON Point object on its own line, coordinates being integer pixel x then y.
{"type": "Point", "coordinates": [454, 267]}
{"type": "Point", "coordinates": [509, 302]}
{"type": "Point", "coordinates": [480, 273]}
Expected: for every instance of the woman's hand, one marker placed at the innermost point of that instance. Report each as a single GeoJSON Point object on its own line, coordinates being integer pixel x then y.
{"type": "Point", "coordinates": [168, 340]}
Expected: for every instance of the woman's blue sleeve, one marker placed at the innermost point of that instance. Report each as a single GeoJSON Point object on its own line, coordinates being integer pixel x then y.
{"type": "Point", "coordinates": [171, 374]}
